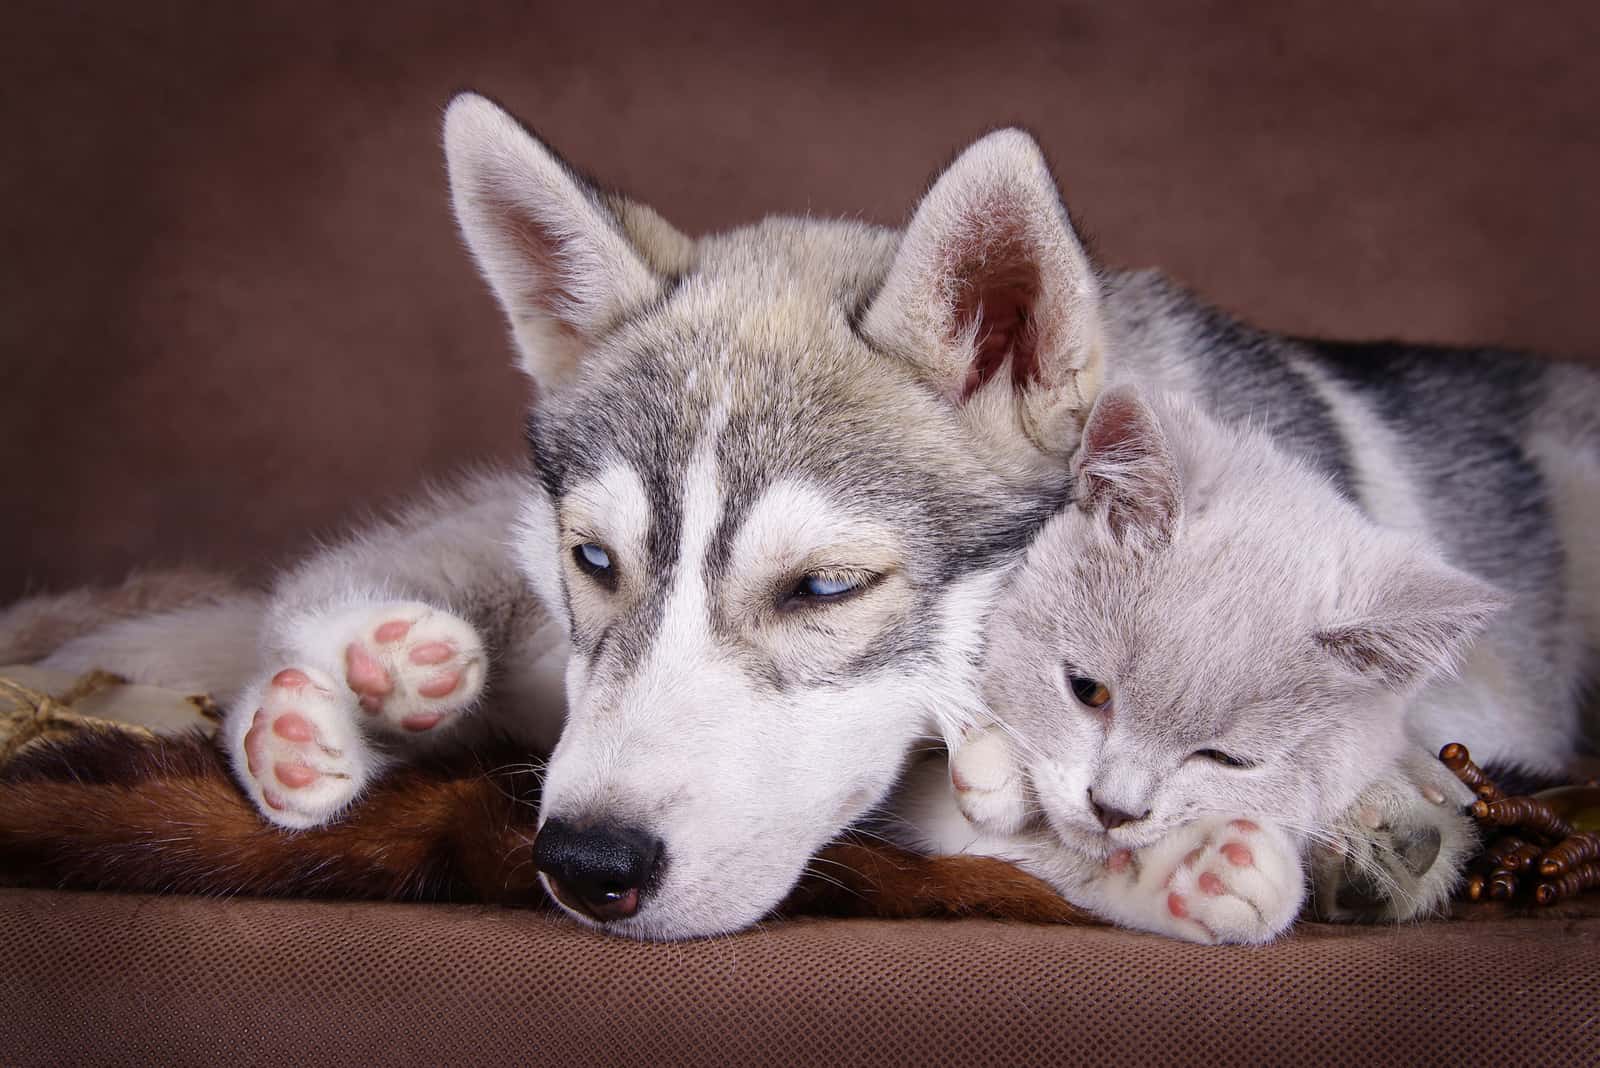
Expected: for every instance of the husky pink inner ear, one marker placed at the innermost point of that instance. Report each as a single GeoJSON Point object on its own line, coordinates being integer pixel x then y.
{"type": "Point", "coordinates": [996, 306]}
{"type": "Point", "coordinates": [990, 284]}
{"type": "Point", "coordinates": [549, 244]}
{"type": "Point", "coordinates": [1126, 469]}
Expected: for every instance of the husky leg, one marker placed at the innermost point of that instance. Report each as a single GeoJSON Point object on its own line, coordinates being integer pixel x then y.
{"type": "Point", "coordinates": [35, 627]}
{"type": "Point", "coordinates": [210, 648]}
{"type": "Point", "coordinates": [351, 687]}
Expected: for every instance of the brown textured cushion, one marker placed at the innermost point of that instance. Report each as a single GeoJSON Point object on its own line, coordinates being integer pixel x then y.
{"type": "Point", "coordinates": [128, 979]}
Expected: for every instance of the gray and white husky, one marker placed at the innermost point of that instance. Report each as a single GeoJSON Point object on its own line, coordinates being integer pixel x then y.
{"type": "Point", "coordinates": [779, 475]}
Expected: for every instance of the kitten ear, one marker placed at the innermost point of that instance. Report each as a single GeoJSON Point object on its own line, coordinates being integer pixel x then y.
{"type": "Point", "coordinates": [1126, 469]}
{"type": "Point", "coordinates": [555, 250]}
{"type": "Point", "coordinates": [1410, 618]}
{"type": "Point", "coordinates": [990, 285]}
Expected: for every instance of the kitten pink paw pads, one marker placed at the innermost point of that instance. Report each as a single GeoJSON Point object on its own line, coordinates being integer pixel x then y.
{"type": "Point", "coordinates": [294, 762]}
{"type": "Point", "coordinates": [1238, 882]}
{"type": "Point", "coordinates": [414, 671]}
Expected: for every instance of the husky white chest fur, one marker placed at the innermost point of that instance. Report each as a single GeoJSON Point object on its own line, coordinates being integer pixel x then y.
{"type": "Point", "coordinates": [779, 476]}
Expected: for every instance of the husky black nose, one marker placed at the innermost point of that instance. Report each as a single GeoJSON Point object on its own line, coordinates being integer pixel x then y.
{"type": "Point", "coordinates": [603, 872]}
{"type": "Point", "coordinates": [1111, 818]}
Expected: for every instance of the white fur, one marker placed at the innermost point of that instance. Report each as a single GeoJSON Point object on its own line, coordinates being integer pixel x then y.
{"type": "Point", "coordinates": [1383, 485]}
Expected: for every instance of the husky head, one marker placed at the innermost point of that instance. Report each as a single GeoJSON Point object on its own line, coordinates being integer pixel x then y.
{"type": "Point", "coordinates": [779, 474]}
{"type": "Point", "coordinates": [1211, 629]}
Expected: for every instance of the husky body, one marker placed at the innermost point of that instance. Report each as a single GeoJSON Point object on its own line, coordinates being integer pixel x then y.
{"type": "Point", "coordinates": [779, 476]}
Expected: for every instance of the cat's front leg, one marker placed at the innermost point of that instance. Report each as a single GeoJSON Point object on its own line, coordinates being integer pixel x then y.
{"type": "Point", "coordinates": [1214, 880]}
{"type": "Point", "coordinates": [346, 688]}
{"type": "Point", "coordinates": [1398, 853]}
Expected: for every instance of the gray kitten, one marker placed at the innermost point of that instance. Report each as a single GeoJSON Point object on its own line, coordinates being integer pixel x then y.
{"type": "Point", "coordinates": [1214, 664]}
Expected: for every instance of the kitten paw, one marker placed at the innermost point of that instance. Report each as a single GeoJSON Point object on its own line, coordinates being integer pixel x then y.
{"type": "Point", "coordinates": [1399, 851]}
{"type": "Point", "coordinates": [988, 783]}
{"type": "Point", "coordinates": [301, 759]}
{"type": "Point", "coordinates": [413, 668]}
{"type": "Point", "coordinates": [1221, 880]}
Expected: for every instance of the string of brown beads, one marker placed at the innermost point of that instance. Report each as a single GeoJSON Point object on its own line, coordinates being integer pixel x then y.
{"type": "Point", "coordinates": [1575, 881]}
{"type": "Point", "coordinates": [1545, 847]}
{"type": "Point", "coordinates": [1581, 849]}
{"type": "Point", "coordinates": [1522, 812]}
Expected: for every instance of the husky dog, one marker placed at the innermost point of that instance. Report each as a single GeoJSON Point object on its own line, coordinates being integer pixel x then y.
{"type": "Point", "coordinates": [1214, 631]}
{"type": "Point", "coordinates": [778, 476]}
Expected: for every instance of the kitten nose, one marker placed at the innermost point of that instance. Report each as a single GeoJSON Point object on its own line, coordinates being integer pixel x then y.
{"type": "Point", "coordinates": [604, 872]}
{"type": "Point", "coordinates": [1112, 818]}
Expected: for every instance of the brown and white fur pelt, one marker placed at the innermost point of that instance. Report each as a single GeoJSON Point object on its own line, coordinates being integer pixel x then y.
{"type": "Point", "coordinates": [110, 810]}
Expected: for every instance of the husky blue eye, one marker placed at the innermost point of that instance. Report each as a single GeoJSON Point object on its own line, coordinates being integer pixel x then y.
{"type": "Point", "coordinates": [825, 587]}
{"type": "Point", "coordinates": [828, 585]}
{"type": "Point", "coordinates": [593, 560]}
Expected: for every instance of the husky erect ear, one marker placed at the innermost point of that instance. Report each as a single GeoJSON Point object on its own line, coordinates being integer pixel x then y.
{"type": "Point", "coordinates": [1410, 617]}
{"type": "Point", "coordinates": [1126, 469]}
{"type": "Point", "coordinates": [555, 250]}
{"type": "Point", "coordinates": [991, 283]}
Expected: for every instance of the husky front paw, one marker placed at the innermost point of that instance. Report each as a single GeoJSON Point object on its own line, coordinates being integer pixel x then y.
{"type": "Point", "coordinates": [1399, 851]}
{"type": "Point", "coordinates": [299, 755]}
{"type": "Point", "coordinates": [1214, 880]}
{"type": "Point", "coordinates": [413, 667]}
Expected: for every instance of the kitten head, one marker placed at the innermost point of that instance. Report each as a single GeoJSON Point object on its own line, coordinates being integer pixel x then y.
{"type": "Point", "coordinates": [1212, 628]}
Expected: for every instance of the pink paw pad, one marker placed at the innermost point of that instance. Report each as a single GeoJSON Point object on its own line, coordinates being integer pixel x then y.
{"type": "Point", "coordinates": [295, 776]}
{"type": "Point", "coordinates": [254, 754]}
{"type": "Point", "coordinates": [430, 653]}
{"type": "Point", "coordinates": [393, 630]}
{"type": "Point", "coordinates": [292, 727]}
{"type": "Point", "coordinates": [440, 685]}
{"type": "Point", "coordinates": [1238, 854]}
{"type": "Point", "coordinates": [1211, 883]}
{"type": "Point", "coordinates": [411, 668]}
{"type": "Point", "coordinates": [365, 675]}
{"type": "Point", "coordinates": [291, 679]}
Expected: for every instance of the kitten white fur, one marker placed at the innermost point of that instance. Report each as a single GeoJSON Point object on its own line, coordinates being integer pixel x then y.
{"type": "Point", "coordinates": [1274, 660]}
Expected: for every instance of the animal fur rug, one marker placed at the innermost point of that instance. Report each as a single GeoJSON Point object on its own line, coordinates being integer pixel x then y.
{"type": "Point", "coordinates": [91, 804]}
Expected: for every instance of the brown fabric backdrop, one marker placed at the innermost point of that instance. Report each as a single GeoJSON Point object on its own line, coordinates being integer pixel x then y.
{"type": "Point", "coordinates": [235, 312]}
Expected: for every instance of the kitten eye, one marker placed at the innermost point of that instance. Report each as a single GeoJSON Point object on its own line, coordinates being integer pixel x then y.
{"type": "Point", "coordinates": [825, 587]}
{"type": "Point", "coordinates": [593, 560]}
{"type": "Point", "coordinates": [1219, 757]}
{"type": "Point", "coordinates": [1089, 691]}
